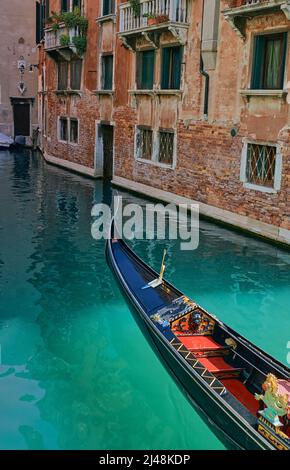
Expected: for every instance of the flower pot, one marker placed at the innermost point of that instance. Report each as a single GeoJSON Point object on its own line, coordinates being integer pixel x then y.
{"type": "Point", "coordinates": [151, 21]}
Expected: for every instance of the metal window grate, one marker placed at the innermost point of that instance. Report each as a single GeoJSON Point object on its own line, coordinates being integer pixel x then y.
{"type": "Point", "coordinates": [146, 143]}
{"type": "Point", "coordinates": [166, 147]}
{"type": "Point", "coordinates": [261, 164]}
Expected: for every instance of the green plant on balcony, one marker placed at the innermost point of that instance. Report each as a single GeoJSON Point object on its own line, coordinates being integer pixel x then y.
{"type": "Point", "coordinates": [135, 5]}
{"type": "Point", "coordinates": [64, 40]}
{"type": "Point", "coordinates": [55, 26]}
{"type": "Point", "coordinates": [80, 43]}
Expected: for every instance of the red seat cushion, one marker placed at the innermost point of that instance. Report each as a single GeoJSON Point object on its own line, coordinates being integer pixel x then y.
{"type": "Point", "coordinates": [215, 364]}
{"type": "Point", "coordinates": [239, 390]}
{"type": "Point", "coordinates": [200, 343]}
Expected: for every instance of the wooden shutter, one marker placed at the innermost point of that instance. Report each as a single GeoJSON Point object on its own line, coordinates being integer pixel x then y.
{"type": "Point", "coordinates": [258, 62]}
{"type": "Point", "coordinates": [75, 74]}
{"type": "Point", "coordinates": [147, 70]}
{"type": "Point", "coordinates": [285, 37]}
{"type": "Point", "coordinates": [176, 67]}
{"type": "Point", "coordinates": [38, 22]}
{"type": "Point", "coordinates": [165, 65]}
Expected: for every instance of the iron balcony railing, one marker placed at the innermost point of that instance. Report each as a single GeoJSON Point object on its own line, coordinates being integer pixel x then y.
{"type": "Point", "coordinates": [164, 11]}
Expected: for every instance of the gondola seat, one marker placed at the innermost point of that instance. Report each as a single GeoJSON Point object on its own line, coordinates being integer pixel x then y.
{"type": "Point", "coordinates": [239, 390]}
{"type": "Point", "coordinates": [203, 345]}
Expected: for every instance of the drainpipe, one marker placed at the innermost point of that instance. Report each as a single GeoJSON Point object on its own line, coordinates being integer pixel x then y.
{"type": "Point", "coordinates": [204, 73]}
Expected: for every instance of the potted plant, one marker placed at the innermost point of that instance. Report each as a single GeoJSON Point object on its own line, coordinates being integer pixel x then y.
{"type": "Point", "coordinates": [151, 19]}
{"type": "Point", "coordinates": [162, 18]}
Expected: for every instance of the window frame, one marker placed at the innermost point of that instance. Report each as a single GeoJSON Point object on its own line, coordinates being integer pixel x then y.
{"type": "Point", "coordinates": [258, 69]}
{"type": "Point", "coordinates": [60, 119]}
{"type": "Point", "coordinates": [113, 8]}
{"type": "Point", "coordinates": [70, 74]}
{"type": "Point", "coordinates": [74, 119]}
{"type": "Point", "coordinates": [102, 68]}
{"type": "Point", "coordinates": [139, 130]}
{"type": "Point", "coordinates": [139, 69]}
{"type": "Point", "coordinates": [67, 75]}
{"type": "Point", "coordinates": [277, 172]}
{"type": "Point", "coordinates": [162, 73]}
{"type": "Point", "coordinates": [155, 147]}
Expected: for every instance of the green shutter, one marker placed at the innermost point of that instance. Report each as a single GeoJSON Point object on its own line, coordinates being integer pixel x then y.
{"type": "Point", "coordinates": [47, 9]}
{"type": "Point", "coordinates": [176, 67]}
{"type": "Point", "coordinates": [258, 61]}
{"type": "Point", "coordinates": [285, 36]}
{"type": "Point", "coordinates": [38, 22]}
{"type": "Point", "coordinates": [165, 65]}
{"type": "Point", "coordinates": [107, 72]}
{"type": "Point", "coordinates": [147, 70]}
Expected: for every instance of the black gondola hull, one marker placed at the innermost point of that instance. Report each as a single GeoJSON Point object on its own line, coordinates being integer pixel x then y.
{"type": "Point", "coordinates": [234, 429]}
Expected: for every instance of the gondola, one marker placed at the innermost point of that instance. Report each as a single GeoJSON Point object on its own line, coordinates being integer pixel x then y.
{"type": "Point", "coordinates": [244, 392]}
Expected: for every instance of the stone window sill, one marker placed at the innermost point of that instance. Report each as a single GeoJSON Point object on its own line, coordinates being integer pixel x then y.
{"type": "Point", "coordinates": [68, 92]}
{"type": "Point", "coordinates": [262, 189]}
{"type": "Point", "coordinates": [103, 92]}
{"type": "Point", "coordinates": [264, 93]}
{"type": "Point", "coordinates": [156, 92]}
{"type": "Point", "coordinates": [103, 19]}
{"type": "Point", "coordinates": [155, 163]}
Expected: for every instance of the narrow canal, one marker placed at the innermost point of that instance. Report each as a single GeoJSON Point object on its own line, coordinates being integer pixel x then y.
{"type": "Point", "coordinates": [76, 372]}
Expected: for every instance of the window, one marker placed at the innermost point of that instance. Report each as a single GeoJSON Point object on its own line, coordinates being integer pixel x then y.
{"type": "Point", "coordinates": [75, 74]}
{"type": "Point", "coordinates": [171, 68]}
{"type": "Point", "coordinates": [74, 131]}
{"type": "Point", "coordinates": [62, 75]}
{"type": "Point", "coordinates": [108, 7]}
{"type": "Point", "coordinates": [269, 61]}
{"type": "Point", "coordinates": [145, 70]}
{"type": "Point", "coordinates": [144, 143]}
{"type": "Point", "coordinates": [63, 134]}
{"type": "Point", "coordinates": [107, 72]}
{"type": "Point", "coordinates": [76, 4]}
{"type": "Point", "coordinates": [261, 160]}
{"type": "Point", "coordinates": [166, 147]}
{"type": "Point", "coordinates": [64, 5]}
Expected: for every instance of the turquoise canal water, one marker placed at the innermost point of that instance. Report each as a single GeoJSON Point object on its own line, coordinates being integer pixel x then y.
{"type": "Point", "coordinates": [76, 371]}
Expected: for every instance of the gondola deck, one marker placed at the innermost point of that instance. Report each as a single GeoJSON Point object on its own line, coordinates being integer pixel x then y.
{"type": "Point", "coordinates": [221, 371]}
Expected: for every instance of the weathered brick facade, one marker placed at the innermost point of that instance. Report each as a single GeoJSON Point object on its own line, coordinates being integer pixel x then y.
{"type": "Point", "coordinates": [208, 158]}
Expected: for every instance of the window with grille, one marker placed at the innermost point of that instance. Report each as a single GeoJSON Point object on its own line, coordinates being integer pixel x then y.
{"type": "Point", "coordinates": [269, 61]}
{"type": "Point", "coordinates": [75, 74]}
{"type": "Point", "coordinates": [107, 72]}
{"type": "Point", "coordinates": [62, 75]}
{"type": "Point", "coordinates": [108, 7]}
{"type": "Point", "coordinates": [171, 68]}
{"type": "Point", "coordinates": [261, 161]}
{"type": "Point", "coordinates": [63, 130]}
{"type": "Point", "coordinates": [74, 131]}
{"type": "Point", "coordinates": [166, 147]}
{"type": "Point", "coordinates": [144, 143]}
{"type": "Point", "coordinates": [145, 69]}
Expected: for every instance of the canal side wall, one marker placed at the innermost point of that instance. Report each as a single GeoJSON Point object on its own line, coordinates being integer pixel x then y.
{"type": "Point", "coordinates": [210, 151]}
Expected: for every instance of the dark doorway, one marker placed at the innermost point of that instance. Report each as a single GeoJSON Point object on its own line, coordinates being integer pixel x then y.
{"type": "Point", "coordinates": [21, 112]}
{"type": "Point", "coordinates": [108, 142]}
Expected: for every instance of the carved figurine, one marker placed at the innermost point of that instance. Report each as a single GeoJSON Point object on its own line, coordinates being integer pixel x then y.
{"type": "Point", "coordinates": [275, 401]}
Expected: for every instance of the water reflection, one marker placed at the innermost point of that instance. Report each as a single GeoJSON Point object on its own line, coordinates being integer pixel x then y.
{"type": "Point", "coordinates": [77, 372]}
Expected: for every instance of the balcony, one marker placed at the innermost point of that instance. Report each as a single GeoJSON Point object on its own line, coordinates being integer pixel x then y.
{"type": "Point", "coordinates": [154, 17]}
{"type": "Point", "coordinates": [60, 41]}
{"type": "Point", "coordinates": [239, 11]}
